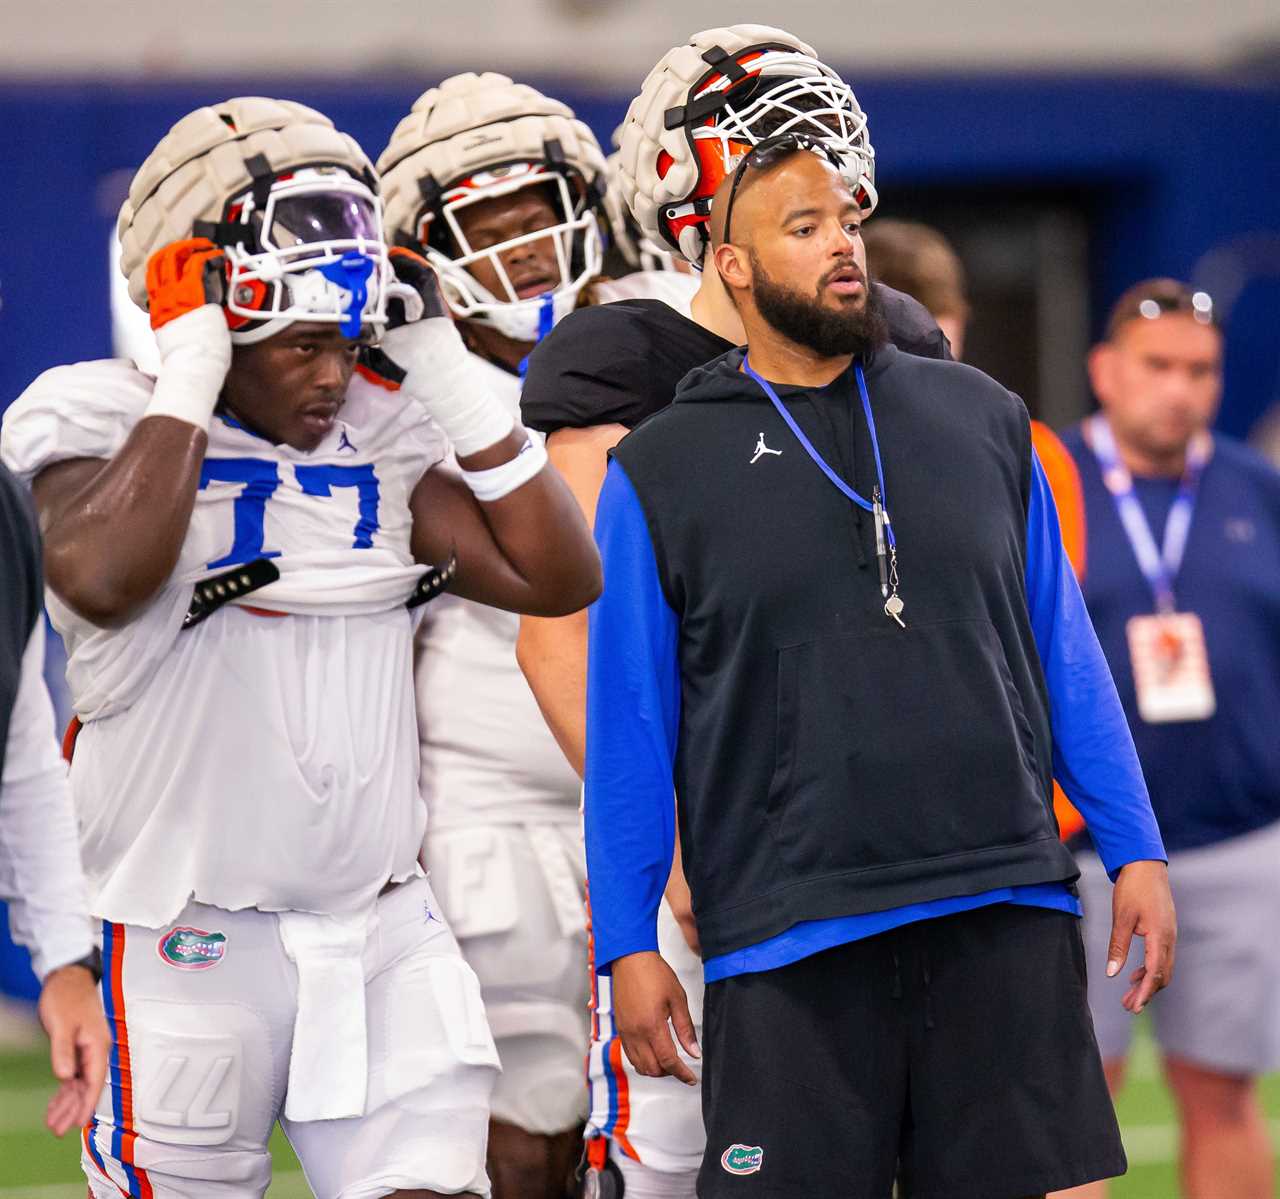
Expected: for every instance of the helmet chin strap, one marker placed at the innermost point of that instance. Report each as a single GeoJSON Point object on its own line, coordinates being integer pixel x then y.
{"type": "Point", "coordinates": [525, 321]}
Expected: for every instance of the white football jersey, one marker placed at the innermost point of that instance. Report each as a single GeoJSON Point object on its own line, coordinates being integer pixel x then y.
{"type": "Point", "coordinates": [676, 289]}
{"type": "Point", "coordinates": [487, 754]}
{"type": "Point", "coordinates": [253, 760]}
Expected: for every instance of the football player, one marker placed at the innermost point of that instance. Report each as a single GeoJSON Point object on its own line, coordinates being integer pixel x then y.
{"type": "Point", "coordinates": [601, 372]}
{"type": "Point", "coordinates": [236, 551]}
{"type": "Point", "coordinates": [639, 268]}
{"type": "Point", "coordinates": [501, 189]}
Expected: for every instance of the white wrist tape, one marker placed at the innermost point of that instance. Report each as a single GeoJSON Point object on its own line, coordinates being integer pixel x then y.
{"type": "Point", "coordinates": [195, 354]}
{"type": "Point", "coordinates": [497, 481]}
{"type": "Point", "coordinates": [443, 375]}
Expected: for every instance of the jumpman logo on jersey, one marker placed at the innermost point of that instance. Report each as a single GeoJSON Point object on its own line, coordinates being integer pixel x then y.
{"type": "Point", "coordinates": [428, 915]}
{"type": "Point", "coordinates": [344, 442]}
{"type": "Point", "coordinates": [761, 450]}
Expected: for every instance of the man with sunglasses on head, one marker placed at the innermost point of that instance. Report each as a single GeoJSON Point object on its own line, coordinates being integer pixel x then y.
{"type": "Point", "coordinates": [605, 369]}
{"type": "Point", "coordinates": [237, 551]}
{"type": "Point", "coordinates": [862, 735]}
{"type": "Point", "coordinates": [1183, 585]}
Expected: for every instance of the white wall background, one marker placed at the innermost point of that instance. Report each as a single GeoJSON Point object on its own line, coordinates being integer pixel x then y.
{"type": "Point", "coordinates": [613, 41]}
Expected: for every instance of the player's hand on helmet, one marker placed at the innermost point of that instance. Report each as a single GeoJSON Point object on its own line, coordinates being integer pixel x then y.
{"type": "Point", "coordinates": [423, 352]}
{"type": "Point", "coordinates": [418, 320]}
{"type": "Point", "coordinates": [420, 333]}
{"type": "Point", "coordinates": [184, 276]}
{"type": "Point", "coordinates": [648, 1002]}
{"type": "Point", "coordinates": [416, 294]}
{"type": "Point", "coordinates": [186, 286]}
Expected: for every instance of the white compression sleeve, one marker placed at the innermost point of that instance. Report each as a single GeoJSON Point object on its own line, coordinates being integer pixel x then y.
{"type": "Point", "coordinates": [195, 353]}
{"type": "Point", "coordinates": [444, 376]}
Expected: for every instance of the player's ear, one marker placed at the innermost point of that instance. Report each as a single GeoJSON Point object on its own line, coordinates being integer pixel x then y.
{"type": "Point", "coordinates": [734, 267]}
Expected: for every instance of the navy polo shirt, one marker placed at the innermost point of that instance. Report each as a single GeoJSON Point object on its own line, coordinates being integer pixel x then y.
{"type": "Point", "coordinates": [1212, 779]}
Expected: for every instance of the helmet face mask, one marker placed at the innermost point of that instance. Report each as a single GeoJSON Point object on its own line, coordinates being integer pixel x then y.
{"type": "Point", "coordinates": [485, 138]}
{"type": "Point", "coordinates": [819, 105]}
{"type": "Point", "coordinates": [710, 101]}
{"type": "Point", "coordinates": [574, 236]}
{"type": "Point", "coordinates": [315, 251]}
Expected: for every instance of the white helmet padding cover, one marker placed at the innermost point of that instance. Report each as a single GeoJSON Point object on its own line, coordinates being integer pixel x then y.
{"type": "Point", "coordinates": [476, 137]}
{"type": "Point", "coordinates": [306, 246]}
{"type": "Point", "coordinates": [640, 252]}
{"type": "Point", "coordinates": [708, 101]}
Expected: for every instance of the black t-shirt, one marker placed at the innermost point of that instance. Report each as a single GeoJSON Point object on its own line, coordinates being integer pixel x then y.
{"type": "Point", "coordinates": [20, 592]}
{"type": "Point", "coordinates": [619, 363]}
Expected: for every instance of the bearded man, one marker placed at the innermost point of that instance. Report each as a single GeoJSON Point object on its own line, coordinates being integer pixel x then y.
{"type": "Point", "coordinates": [837, 613]}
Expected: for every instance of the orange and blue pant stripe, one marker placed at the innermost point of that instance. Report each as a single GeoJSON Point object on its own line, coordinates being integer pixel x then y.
{"type": "Point", "coordinates": [617, 1117]}
{"type": "Point", "coordinates": [120, 1075]}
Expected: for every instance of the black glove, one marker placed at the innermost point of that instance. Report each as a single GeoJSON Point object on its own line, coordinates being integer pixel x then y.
{"type": "Point", "coordinates": [416, 293]}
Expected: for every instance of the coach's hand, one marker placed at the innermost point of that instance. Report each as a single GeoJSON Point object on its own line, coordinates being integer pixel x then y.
{"type": "Point", "coordinates": [71, 1012]}
{"type": "Point", "coordinates": [1143, 904]}
{"type": "Point", "coordinates": [646, 995]}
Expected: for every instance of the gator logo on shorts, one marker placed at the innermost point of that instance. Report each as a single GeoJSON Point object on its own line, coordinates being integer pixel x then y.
{"type": "Point", "coordinates": [742, 1159]}
{"type": "Point", "coordinates": [192, 948]}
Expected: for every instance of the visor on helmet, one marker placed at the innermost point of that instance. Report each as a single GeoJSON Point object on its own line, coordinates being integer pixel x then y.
{"type": "Point", "coordinates": [311, 250]}
{"type": "Point", "coordinates": [313, 219]}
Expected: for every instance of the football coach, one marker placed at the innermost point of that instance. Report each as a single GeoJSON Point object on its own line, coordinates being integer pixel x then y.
{"type": "Point", "coordinates": [837, 616]}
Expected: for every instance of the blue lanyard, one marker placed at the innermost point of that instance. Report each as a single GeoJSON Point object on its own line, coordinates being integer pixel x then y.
{"type": "Point", "coordinates": [842, 486]}
{"type": "Point", "coordinates": [1159, 566]}
{"type": "Point", "coordinates": [886, 561]}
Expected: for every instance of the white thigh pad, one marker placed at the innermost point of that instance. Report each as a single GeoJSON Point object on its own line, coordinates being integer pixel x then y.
{"type": "Point", "coordinates": [471, 872]}
{"type": "Point", "coordinates": [436, 1021]}
{"type": "Point", "coordinates": [188, 1071]}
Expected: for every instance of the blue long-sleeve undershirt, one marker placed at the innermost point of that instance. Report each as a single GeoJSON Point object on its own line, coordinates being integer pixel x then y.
{"type": "Point", "coordinates": [633, 718]}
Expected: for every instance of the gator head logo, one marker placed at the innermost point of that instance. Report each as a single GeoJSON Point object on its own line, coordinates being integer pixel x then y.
{"type": "Point", "coordinates": [742, 1159]}
{"type": "Point", "coordinates": [192, 948]}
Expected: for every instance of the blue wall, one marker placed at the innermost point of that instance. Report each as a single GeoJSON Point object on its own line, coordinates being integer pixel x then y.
{"type": "Point", "coordinates": [1175, 169]}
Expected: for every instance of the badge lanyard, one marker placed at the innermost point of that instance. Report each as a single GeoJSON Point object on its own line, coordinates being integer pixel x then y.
{"type": "Point", "coordinates": [886, 542]}
{"type": "Point", "coordinates": [1159, 566]}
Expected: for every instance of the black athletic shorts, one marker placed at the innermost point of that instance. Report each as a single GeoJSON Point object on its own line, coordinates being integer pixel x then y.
{"type": "Point", "coordinates": [955, 1053]}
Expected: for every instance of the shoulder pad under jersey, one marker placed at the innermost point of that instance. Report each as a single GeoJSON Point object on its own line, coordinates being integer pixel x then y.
{"type": "Point", "coordinates": [84, 410]}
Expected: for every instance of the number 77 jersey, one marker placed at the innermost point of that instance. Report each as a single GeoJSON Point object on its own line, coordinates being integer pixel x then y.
{"type": "Point", "coordinates": [284, 724]}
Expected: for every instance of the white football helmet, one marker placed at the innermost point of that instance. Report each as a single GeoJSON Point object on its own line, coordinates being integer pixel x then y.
{"type": "Point", "coordinates": [292, 202]}
{"type": "Point", "coordinates": [640, 252]}
{"type": "Point", "coordinates": [708, 102]}
{"type": "Point", "coordinates": [477, 137]}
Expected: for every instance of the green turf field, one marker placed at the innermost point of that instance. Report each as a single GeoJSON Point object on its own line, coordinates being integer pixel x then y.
{"type": "Point", "coordinates": [35, 1166]}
